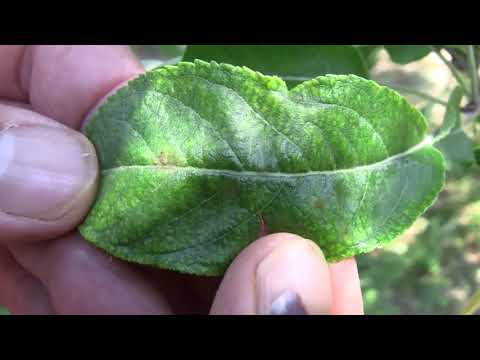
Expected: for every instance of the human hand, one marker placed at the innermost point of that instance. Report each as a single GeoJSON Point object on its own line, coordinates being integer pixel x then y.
{"type": "Point", "coordinates": [48, 181]}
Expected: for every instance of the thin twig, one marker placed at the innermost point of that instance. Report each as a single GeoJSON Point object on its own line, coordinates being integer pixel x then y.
{"type": "Point", "coordinates": [473, 304]}
{"type": "Point", "coordinates": [472, 63]}
{"type": "Point", "coordinates": [453, 70]}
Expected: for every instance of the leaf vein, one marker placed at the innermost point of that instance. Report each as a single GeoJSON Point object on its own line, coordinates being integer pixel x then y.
{"type": "Point", "coordinates": [215, 172]}
{"type": "Point", "coordinates": [362, 119]}
{"type": "Point", "coordinates": [245, 102]}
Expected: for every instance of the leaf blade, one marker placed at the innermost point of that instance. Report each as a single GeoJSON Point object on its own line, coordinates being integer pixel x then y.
{"type": "Point", "coordinates": [307, 162]}
{"type": "Point", "coordinates": [404, 54]}
{"type": "Point", "coordinates": [451, 118]}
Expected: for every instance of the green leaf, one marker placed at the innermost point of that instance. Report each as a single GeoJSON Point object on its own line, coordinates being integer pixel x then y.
{"type": "Point", "coordinates": [476, 152]}
{"type": "Point", "coordinates": [293, 63]}
{"type": "Point", "coordinates": [451, 119]}
{"type": "Point", "coordinates": [462, 48]}
{"type": "Point", "coordinates": [196, 157]}
{"type": "Point", "coordinates": [369, 54]}
{"type": "Point", "coordinates": [404, 54]}
{"type": "Point", "coordinates": [451, 140]}
{"type": "Point", "coordinates": [457, 149]}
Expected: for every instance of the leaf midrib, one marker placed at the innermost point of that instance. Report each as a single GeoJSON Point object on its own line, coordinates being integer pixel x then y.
{"type": "Point", "coordinates": [427, 141]}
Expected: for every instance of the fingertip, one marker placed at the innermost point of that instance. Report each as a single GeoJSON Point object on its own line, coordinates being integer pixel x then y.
{"type": "Point", "coordinates": [277, 274]}
{"type": "Point", "coordinates": [81, 279]}
{"type": "Point", "coordinates": [346, 288]}
{"type": "Point", "coordinates": [11, 58]}
{"type": "Point", "coordinates": [66, 82]}
{"type": "Point", "coordinates": [48, 191]}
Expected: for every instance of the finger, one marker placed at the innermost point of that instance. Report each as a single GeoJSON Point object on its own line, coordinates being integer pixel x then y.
{"type": "Point", "coordinates": [48, 176]}
{"type": "Point", "coordinates": [175, 287]}
{"type": "Point", "coordinates": [16, 104]}
{"type": "Point", "coordinates": [83, 280]}
{"type": "Point", "coordinates": [66, 82]}
{"type": "Point", "coordinates": [11, 58]}
{"type": "Point", "coordinates": [277, 274]}
{"type": "Point", "coordinates": [346, 290]}
{"type": "Point", "coordinates": [20, 292]}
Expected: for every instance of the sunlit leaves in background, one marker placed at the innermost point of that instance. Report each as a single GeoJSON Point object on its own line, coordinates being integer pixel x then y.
{"type": "Point", "coordinates": [293, 63]}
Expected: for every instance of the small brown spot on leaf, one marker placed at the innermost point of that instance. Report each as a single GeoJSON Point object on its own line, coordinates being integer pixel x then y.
{"type": "Point", "coordinates": [319, 204]}
{"type": "Point", "coordinates": [165, 159]}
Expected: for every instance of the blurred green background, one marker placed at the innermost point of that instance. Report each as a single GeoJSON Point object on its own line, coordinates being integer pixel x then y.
{"type": "Point", "coordinates": [434, 267]}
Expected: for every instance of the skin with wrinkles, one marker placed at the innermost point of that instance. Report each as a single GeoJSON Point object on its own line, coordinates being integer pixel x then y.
{"type": "Point", "coordinates": [196, 157]}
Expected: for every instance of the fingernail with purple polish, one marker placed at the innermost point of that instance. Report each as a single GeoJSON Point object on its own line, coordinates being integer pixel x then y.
{"type": "Point", "coordinates": [288, 303]}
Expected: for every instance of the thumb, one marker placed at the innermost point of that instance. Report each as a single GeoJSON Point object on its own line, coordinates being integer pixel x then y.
{"type": "Point", "coordinates": [48, 176]}
{"type": "Point", "coordinates": [280, 274]}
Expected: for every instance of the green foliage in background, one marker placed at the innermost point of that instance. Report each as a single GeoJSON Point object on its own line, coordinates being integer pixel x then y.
{"type": "Point", "coordinates": [292, 63]}
{"type": "Point", "coordinates": [458, 152]}
{"type": "Point", "coordinates": [435, 270]}
{"type": "Point", "coordinates": [404, 54]}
